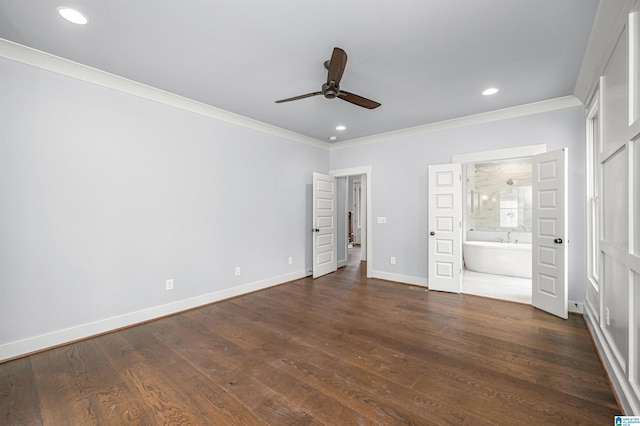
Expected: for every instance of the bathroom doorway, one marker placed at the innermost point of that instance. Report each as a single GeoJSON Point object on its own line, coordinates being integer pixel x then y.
{"type": "Point", "coordinates": [497, 218]}
{"type": "Point", "coordinates": [497, 200]}
{"type": "Point", "coordinates": [549, 235]}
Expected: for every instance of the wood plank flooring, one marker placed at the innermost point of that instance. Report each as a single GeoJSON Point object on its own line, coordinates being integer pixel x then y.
{"type": "Point", "coordinates": [342, 349]}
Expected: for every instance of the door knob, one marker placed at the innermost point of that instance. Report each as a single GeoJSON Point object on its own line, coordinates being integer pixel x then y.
{"type": "Point", "coordinates": [558, 241]}
{"type": "Point", "coordinates": [432, 233]}
{"type": "Point", "coordinates": [315, 230]}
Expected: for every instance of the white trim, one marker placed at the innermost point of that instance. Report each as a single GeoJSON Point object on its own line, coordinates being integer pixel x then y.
{"type": "Point", "coordinates": [618, 378]}
{"type": "Point", "coordinates": [500, 154]}
{"type": "Point", "coordinates": [356, 171]}
{"type": "Point", "coordinates": [609, 23]}
{"type": "Point", "coordinates": [406, 279]}
{"type": "Point", "coordinates": [634, 19]}
{"type": "Point", "coordinates": [352, 171]}
{"type": "Point", "coordinates": [33, 344]}
{"type": "Point", "coordinates": [46, 61]}
{"type": "Point", "coordinates": [501, 114]}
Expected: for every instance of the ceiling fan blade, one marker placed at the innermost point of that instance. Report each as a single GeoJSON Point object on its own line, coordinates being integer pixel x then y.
{"type": "Point", "coordinates": [295, 98]}
{"type": "Point", "coordinates": [358, 100]}
{"type": "Point", "coordinates": [337, 63]}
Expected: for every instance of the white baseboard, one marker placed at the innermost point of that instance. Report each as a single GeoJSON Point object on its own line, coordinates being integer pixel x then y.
{"type": "Point", "coordinates": [34, 344]}
{"type": "Point", "coordinates": [406, 279]}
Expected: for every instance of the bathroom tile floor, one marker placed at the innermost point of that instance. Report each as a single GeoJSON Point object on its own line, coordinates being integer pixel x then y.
{"type": "Point", "coordinates": [496, 286]}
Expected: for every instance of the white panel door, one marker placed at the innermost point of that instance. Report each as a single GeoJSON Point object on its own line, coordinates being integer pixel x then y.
{"type": "Point", "coordinates": [325, 249]}
{"type": "Point", "coordinates": [549, 271]}
{"type": "Point", "coordinates": [445, 228]}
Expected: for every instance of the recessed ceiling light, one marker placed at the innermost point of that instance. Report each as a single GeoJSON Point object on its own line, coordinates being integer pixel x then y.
{"type": "Point", "coordinates": [490, 91]}
{"type": "Point", "coordinates": [340, 127]}
{"type": "Point", "coordinates": [72, 15]}
{"type": "Point", "coordinates": [333, 138]}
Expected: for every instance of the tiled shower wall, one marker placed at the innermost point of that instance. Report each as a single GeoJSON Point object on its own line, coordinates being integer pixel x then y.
{"type": "Point", "coordinates": [499, 196]}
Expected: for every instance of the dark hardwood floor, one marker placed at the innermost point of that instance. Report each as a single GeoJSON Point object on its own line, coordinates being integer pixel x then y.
{"type": "Point", "coordinates": [342, 349]}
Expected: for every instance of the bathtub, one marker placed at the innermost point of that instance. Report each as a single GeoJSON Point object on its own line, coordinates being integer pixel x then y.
{"type": "Point", "coordinates": [512, 259]}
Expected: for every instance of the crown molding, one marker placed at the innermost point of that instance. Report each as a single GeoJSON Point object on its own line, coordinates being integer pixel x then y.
{"type": "Point", "coordinates": [56, 64]}
{"type": "Point", "coordinates": [608, 26]}
{"type": "Point", "coordinates": [486, 117]}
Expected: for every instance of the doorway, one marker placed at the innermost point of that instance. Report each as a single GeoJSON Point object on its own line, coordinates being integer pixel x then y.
{"type": "Point", "coordinates": [549, 222]}
{"type": "Point", "coordinates": [352, 235]}
{"type": "Point", "coordinates": [354, 217]}
{"type": "Point", "coordinates": [498, 208]}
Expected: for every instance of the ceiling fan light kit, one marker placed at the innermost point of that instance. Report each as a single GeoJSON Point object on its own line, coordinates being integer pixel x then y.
{"type": "Point", "coordinates": [331, 89]}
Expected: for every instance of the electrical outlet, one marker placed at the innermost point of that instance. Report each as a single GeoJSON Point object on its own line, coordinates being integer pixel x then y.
{"type": "Point", "coordinates": [169, 285]}
{"type": "Point", "coordinates": [290, 260]}
{"type": "Point", "coordinates": [393, 260]}
{"type": "Point", "coordinates": [576, 307]}
{"type": "Point", "coordinates": [237, 270]}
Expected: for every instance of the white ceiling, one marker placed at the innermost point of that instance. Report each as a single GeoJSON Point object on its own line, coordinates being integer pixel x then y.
{"type": "Point", "coordinates": [425, 60]}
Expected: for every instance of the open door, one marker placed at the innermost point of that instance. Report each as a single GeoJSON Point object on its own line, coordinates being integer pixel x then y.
{"type": "Point", "coordinates": [325, 249]}
{"type": "Point", "coordinates": [445, 228]}
{"type": "Point", "coordinates": [549, 265]}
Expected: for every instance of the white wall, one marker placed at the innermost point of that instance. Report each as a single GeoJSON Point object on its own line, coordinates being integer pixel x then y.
{"type": "Point", "coordinates": [105, 195]}
{"type": "Point", "coordinates": [400, 182]}
{"type": "Point", "coordinates": [612, 308]}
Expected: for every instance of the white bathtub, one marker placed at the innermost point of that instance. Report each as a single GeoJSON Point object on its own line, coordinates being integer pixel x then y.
{"type": "Point", "coordinates": [498, 258]}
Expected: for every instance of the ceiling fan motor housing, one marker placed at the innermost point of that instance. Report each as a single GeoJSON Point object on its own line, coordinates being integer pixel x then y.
{"type": "Point", "coordinates": [330, 90]}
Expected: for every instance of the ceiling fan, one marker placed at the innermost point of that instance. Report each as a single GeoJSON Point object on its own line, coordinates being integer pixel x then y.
{"type": "Point", "coordinates": [331, 89]}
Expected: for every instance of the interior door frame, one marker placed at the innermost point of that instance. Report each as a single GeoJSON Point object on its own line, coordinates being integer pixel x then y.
{"type": "Point", "coordinates": [500, 154]}
{"type": "Point", "coordinates": [357, 171]}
